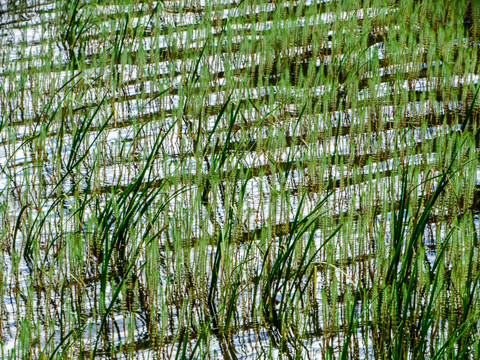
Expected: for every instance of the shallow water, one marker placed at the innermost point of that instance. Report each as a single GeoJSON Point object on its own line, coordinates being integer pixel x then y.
{"type": "Point", "coordinates": [45, 100]}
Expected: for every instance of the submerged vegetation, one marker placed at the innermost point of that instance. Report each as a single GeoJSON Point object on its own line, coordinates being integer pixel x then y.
{"type": "Point", "coordinates": [228, 179]}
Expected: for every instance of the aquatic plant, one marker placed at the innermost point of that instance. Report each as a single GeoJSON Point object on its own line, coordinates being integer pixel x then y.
{"type": "Point", "coordinates": [225, 179]}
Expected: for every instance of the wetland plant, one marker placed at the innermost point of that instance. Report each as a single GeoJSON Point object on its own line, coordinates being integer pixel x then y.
{"type": "Point", "coordinates": [226, 179]}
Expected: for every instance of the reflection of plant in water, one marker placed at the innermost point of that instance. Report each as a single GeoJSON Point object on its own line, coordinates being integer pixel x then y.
{"type": "Point", "coordinates": [228, 179]}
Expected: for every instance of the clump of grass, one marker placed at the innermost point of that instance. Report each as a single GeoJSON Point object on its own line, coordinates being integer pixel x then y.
{"type": "Point", "coordinates": [186, 180]}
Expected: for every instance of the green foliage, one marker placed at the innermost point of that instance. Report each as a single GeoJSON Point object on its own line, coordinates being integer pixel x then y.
{"type": "Point", "coordinates": [281, 179]}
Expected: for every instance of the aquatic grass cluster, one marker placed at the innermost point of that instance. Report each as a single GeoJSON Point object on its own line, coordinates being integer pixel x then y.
{"type": "Point", "coordinates": [239, 179]}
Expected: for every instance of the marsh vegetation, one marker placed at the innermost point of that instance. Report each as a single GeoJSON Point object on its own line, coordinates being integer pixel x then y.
{"type": "Point", "coordinates": [239, 179]}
